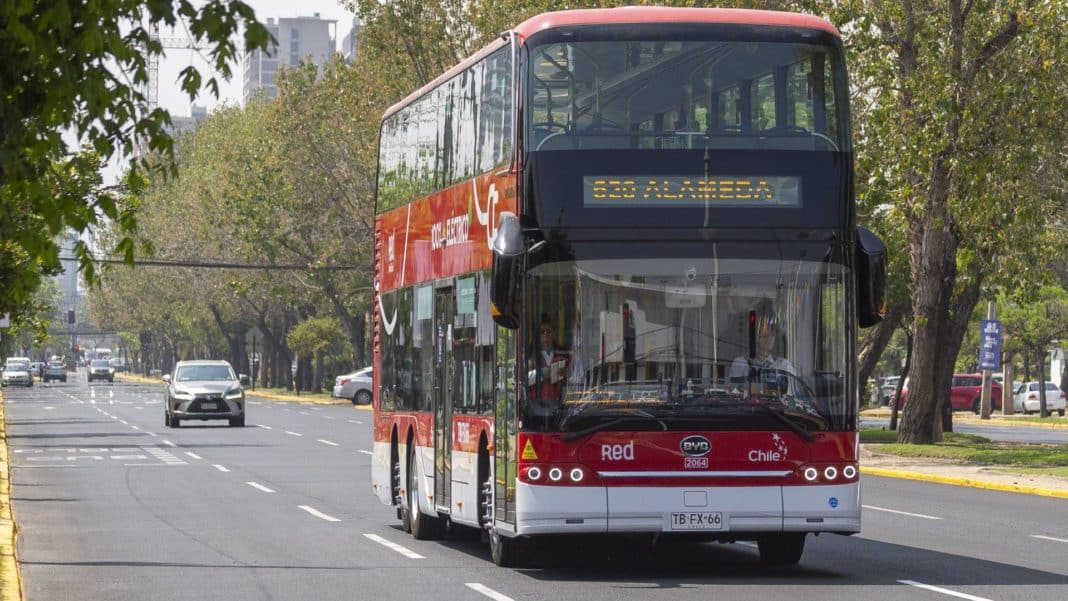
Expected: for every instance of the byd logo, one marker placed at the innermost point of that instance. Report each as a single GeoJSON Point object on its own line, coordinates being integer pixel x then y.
{"type": "Point", "coordinates": [617, 452]}
{"type": "Point", "coordinates": [695, 446]}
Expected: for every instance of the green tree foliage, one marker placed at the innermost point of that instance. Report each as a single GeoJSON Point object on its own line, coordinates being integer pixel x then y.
{"type": "Point", "coordinates": [71, 78]}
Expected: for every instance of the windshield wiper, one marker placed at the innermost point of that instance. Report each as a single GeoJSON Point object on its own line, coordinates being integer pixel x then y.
{"type": "Point", "coordinates": [614, 422]}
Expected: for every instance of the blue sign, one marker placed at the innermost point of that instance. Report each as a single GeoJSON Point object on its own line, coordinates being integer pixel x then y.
{"type": "Point", "coordinates": [990, 344]}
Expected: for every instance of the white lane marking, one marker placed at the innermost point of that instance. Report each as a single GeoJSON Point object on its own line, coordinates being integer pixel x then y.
{"type": "Point", "coordinates": [304, 413]}
{"type": "Point", "coordinates": [1056, 540]}
{"type": "Point", "coordinates": [152, 434]}
{"type": "Point", "coordinates": [169, 443]}
{"type": "Point", "coordinates": [915, 515]}
{"type": "Point", "coordinates": [487, 591]}
{"type": "Point", "coordinates": [193, 455]}
{"type": "Point", "coordinates": [392, 545]}
{"type": "Point", "coordinates": [221, 468]}
{"type": "Point", "coordinates": [366, 452]}
{"type": "Point", "coordinates": [333, 444]}
{"type": "Point", "coordinates": [136, 427]}
{"type": "Point", "coordinates": [944, 591]}
{"type": "Point", "coordinates": [259, 486]}
{"type": "Point", "coordinates": [49, 408]}
{"type": "Point", "coordinates": [264, 427]}
{"type": "Point", "coordinates": [294, 433]}
{"type": "Point", "coordinates": [318, 514]}
{"type": "Point", "coordinates": [124, 422]}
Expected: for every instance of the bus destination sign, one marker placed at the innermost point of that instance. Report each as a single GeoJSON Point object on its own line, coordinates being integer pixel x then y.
{"type": "Point", "coordinates": [687, 191]}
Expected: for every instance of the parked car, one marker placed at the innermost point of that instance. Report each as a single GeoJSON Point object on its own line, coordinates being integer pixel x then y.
{"type": "Point", "coordinates": [355, 386]}
{"type": "Point", "coordinates": [100, 369]}
{"type": "Point", "coordinates": [55, 370]}
{"type": "Point", "coordinates": [1025, 398]}
{"type": "Point", "coordinates": [964, 393]}
{"type": "Point", "coordinates": [117, 364]}
{"type": "Point", "coordinates": [17, 372]}
{"type": "Point", "coordinates": [203, 390]}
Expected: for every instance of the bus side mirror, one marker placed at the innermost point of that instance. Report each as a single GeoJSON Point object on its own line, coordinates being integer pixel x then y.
{"type": "Point", "coordinates": [871, 278]}
{"type": "Point", "coordinates": [508, 255]}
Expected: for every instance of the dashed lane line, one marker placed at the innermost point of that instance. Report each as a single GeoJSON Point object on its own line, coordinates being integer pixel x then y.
{"type": "Point", "coordinates": [193, 455]}
{"type": "Point", "coordinates": [405, 551]}
{"type": "Point", "coordinates": [221, 468]}
{"type": "Point", "coordinates": [294, 433]}
{"type": "Point", "coordinates": [915, 515]}
{"type": "Point", "coordinates": [264, 427]}
{"type": "Point", "coordinates": [487, 591]}
{"type": "Point", "coordinates": [318, 514]}
{"type": "Point", "coordinates": [168, 443]}
{"type": "Point", "coordinates": [1052, 538]}
{"type": "Point", "coordinates": [333, 444]}
{"type": "Point", "coordinates": [259, 486]}
{"type": "Point", "coordinates": [944, 591]}
{"type": "Point", "coordinates": [366, 452]}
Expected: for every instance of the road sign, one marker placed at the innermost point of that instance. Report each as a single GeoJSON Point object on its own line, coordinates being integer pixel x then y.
{"type": "Point", "coordinates": [990, 344]}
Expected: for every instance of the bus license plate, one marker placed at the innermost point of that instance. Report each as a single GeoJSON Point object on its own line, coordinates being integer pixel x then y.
{"type": "Point", "coordinates": [698, 520]}
{"type": "Point", "coordinates": [208, 406]}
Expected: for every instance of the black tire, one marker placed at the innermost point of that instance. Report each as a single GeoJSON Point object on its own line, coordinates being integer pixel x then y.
{"type": "Point", "coordinates": [64, 380]}
{"type": "Point", "coordinates": [424, 527]}
{"type": "Point", "coordinates": [362, 397]}
{"type": "Point", "coordinates": [781, 549]}
{"type": "Point", "coordinates": [175, 421]}
{"type": "Point", "coordinates": [506, 552]}
{"type": "Point", "coordinates": [237, 422]}
{"type": "Point", "coordinates": [166, 419]}
{"type": "Point", "coordinates": [976, 406]}
{"type": "Point", "coordinates": [110, 380]}
{"type": "Point", "coordinates": [1060, 412]}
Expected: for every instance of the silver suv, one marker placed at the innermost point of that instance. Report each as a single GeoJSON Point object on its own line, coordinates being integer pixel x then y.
{"type": "Point", "coordinates": [203, 390]}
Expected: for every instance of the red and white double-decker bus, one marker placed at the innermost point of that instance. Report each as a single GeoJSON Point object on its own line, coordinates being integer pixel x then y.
{"type": "Point", "coordinates": [618, 284]}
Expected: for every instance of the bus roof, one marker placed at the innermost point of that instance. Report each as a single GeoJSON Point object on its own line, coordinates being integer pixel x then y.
{"type": "Point", "coordinates": [627, 14]}
{"type": "Point", "coordinates": [664, 14]}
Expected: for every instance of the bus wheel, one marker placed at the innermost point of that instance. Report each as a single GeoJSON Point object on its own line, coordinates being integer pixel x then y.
{"type": "Point", "coordinates": [781, 549]}
{"type": "Point", "coordinates": [423, 527]}
{"type": "Point", "coordinates": [506, 552]}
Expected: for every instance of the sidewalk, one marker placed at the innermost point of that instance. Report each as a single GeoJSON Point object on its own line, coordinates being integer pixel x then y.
{"type": "Point", "coordinates": [996, 419]}
{"type": "Point", "coordinates": [946, 472]}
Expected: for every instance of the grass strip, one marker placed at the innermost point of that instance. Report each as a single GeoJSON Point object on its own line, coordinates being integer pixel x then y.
{"type": "Point", "coordinates": [974, 450]}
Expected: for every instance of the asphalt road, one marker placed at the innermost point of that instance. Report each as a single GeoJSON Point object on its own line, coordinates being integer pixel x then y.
{"type": "Point", "coordinates": [113, 505]}
{"type": "Point", "coordinates": [999, 433]}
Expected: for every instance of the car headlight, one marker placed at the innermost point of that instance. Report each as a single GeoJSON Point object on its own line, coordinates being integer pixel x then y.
{"type": "Point", "coordinates": [235, 394]}
{"type": "Point", "coordinates": [182, 394]}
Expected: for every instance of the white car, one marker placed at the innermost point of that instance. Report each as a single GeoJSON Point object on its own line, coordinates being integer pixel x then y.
{"type": "Point", "coordinates": [355, 386]}
{"type": "Point", "coordinates": [17, 372]}
{"type": "Point", "coordinates": [1025, 398]}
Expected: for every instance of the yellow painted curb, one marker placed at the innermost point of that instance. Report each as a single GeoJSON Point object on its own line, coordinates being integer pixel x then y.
{"type": "Point", "coordinates": [10, 578]}
{"type": "Point", "coordinates": [1030, 490]}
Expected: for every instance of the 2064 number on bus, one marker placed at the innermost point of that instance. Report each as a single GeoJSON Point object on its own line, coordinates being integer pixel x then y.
{"type": "Point", "coordinates": [696, 520]}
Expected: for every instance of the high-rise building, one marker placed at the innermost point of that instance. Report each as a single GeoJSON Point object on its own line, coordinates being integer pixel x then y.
{"type": "Point", "coordinates": [351, 42]}
{"type": "Point", "coordinates": [297, 38]}
{"type": "Point", "coordinates": [67, 282]}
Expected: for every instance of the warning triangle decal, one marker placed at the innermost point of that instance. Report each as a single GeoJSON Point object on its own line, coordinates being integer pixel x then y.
{"type": "Point", "coordinates": [528, 452]}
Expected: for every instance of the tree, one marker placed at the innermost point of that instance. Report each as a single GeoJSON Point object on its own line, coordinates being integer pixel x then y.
{"type": "Point", "coordinates": [310, 338]}
{"type": "Point", "coordinates": [946, 90]}
{"type": "Point", "coordinates": [73, 67]}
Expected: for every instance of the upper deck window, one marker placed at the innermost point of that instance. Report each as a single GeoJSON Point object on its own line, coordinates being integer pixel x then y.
{"type": "Point", "coordinates": [677, 94]}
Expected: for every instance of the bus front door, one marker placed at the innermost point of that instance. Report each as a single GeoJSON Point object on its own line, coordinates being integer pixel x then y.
{"type": "Point", "coordinates": [444, 372]}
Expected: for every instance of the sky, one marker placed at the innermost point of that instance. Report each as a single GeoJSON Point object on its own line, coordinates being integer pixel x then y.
{"type": "Point", "coordinates": [172, 98]}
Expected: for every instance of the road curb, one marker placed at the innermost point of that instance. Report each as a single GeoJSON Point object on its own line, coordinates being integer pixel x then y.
{"type": "Point", "coordinates": [969, 482]}
{"type": "Point", "coordinates": [1007, 422]}
{"type": "Point", "coordinates": [10, 578]}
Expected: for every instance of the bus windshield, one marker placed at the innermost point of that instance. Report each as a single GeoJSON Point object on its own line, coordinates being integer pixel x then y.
{"type": "Point", "coordinates": [688, 342]}
{"type": "Point", "coordinates": [678, 94]}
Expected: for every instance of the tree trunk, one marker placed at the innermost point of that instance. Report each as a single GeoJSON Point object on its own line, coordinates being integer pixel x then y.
{"type": "Point", "coordinates": [871, 350]}
{"type": "Point", "coordinates": [901, 381]}
{"type": "Point", "coordinates": [1042, 388]}
{"type": "Point", "coordinates": [317, 378]}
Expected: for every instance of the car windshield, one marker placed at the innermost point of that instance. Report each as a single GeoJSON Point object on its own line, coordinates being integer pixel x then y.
{"type": "Point", "coordinates": [1049, 386]}
{"type": "Point", "coordinates": [197, 373]}
{"type": "Point", "coordinates": [99, 363]}
{"type": "Point", "coordinates": [17, 366]}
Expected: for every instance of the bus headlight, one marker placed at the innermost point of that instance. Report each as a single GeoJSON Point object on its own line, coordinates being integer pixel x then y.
{"type": "Point", "coordinates": [811, 474]}
{"type": "Point", "coordinates": [555, 474]}
{"type": "Point", "coordinates": [830, 472]}
{"type": "Point", "coordinates": [849, 472]}
{"type": "Point", "coordinates": [534, 473]}
{"type": "Point", "coordinates": [577, 474]}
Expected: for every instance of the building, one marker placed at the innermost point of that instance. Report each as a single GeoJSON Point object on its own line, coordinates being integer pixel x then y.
{"type": "Point", "coordinates": [351, 41]}
{"type": "Point", "coordinates": [297, 38]}
{"type": "Point", "coordinates": [185, 124]}
{"type": "Point", "coordinates": [67, 282]}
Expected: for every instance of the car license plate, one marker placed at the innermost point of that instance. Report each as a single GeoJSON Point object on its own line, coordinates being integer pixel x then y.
{"type": "Point", "coordinates": [208, 406]}
{"type": "Point", "coordinates": [697, 520]}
